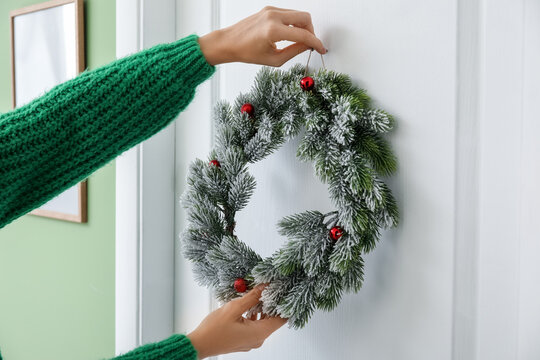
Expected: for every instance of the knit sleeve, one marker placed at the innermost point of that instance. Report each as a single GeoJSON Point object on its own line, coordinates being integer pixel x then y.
{"type": "Point", "coordinates": [176, 347]}
{"type": "Point", "coordinates": [60, 138]}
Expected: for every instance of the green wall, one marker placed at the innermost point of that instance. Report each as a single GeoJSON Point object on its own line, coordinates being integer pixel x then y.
{"type": "Point", "coordinates": [57, 278]}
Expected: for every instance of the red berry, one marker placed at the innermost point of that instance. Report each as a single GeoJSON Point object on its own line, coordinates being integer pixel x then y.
{"type": "Point", "coordinates": [307, 83]}
{"type": "Point", "coordinates": [247, 108]}
{"type": "Point", "coordinates": [215, 163]}
{"type": "Point", "coordinates": [240, 285]}
{"type": "Point", "coordinates": [336, 232]}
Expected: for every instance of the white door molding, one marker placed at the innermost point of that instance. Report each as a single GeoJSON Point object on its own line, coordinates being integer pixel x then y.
{"type": "Point", "coordinates": [145, 199]}
{"type": "Point", "coordinates": [495, 309]}
{"type": "Point", "coordinates": [468, 87]}
{"type": "Point", "coordinates": [194, 133]}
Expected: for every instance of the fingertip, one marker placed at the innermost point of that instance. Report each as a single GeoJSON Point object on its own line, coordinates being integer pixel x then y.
{"type": "Point", "coordinates": [259, 289]}
{"type": "Point", "coordinates": [322, 50]}
{"type": "Point", "coordinates": [261, 286]}
{"type": "Point", "coordinates": [249, 299]}
{"type": "Point", "coordinates": [254, 292]}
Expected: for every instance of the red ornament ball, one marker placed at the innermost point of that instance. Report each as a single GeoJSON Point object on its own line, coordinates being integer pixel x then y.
{"type": "Point", "coordinates": [240, 285]}
{"type": "Point", "coordinates": [307, 83]}
{"type": "Point", "coordinates": [215, 163]}
{"type": "Point", "coordinates": [247, 108]}
{"type": "Point", "coordinates": [336, 232]}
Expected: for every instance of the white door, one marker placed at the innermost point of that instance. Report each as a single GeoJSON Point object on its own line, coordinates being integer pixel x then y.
{"type": "Point", "coordinates": [459, 278]}
{"type": "Point", "coordinates": [405, 56]}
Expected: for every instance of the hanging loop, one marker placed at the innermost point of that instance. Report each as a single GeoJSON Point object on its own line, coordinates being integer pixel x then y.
{"type": "Point", "coordinates": [309, 58]}
{"type": "Point", "coordinates": [322, 61]}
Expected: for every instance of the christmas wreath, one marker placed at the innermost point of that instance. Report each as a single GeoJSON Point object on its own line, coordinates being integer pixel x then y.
{"type": "Point", "coordinates": [342, 134]}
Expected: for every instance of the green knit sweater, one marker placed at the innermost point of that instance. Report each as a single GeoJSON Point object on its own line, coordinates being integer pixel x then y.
{"type": "Point", "coordinates": [60, 138]}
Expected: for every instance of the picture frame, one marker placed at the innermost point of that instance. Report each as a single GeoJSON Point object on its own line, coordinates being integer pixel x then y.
{"type": "Point", "coordinates": [47, 48]}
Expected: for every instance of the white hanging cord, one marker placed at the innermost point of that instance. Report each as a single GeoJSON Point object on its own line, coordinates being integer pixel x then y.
{"type": "Point", "coordinates": [309, 57]}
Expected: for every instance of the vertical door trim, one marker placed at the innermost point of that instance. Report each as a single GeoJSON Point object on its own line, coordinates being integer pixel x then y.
{"type": "Point", "coordinates": [194, 133]}
{"type": "Point", "coordinates": [127, 203]}
{"type": "Point", "coordinates": [468, 75]}
{"type": "Point", "coordinates": [144, 302]}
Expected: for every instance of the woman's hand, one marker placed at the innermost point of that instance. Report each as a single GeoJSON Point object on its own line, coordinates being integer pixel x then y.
{"type": "Point", "coordinates": [253, 40]}
{"type": "Point", "coordinates": [225, 330]}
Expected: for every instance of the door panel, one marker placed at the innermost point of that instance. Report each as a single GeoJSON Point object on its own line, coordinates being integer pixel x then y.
{"type": "Point", "coordinates": [435, 287]}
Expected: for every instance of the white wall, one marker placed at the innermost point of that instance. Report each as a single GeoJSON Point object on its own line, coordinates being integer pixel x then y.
{"type": "Point", "coordinates": [459, 278]}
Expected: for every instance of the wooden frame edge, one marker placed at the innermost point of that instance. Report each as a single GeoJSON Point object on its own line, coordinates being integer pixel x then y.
{"type": "Point", "coordinates": [12, 37]}
{"type": "Point", "coordinates": [40, 6]}
{"type": "Point", "coordinates": [81, 217]}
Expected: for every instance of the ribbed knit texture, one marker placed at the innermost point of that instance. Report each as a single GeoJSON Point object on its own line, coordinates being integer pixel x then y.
{"type": "Point", "coordinates": [176, 347]}
{"type": "Point", "coordinates": [60, 138]}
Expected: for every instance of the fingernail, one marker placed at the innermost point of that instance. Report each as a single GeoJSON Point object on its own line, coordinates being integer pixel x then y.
{"type": "Point", "coordinates": [260, 286]}
{"type": "Point", "coordinates": [326, 51]}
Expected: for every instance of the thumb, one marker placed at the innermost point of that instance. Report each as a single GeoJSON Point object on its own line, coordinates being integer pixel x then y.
{"type": "Point", "coordinates": [290, 51]}
{"type": "Point", "coordinates": [246, 302]}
